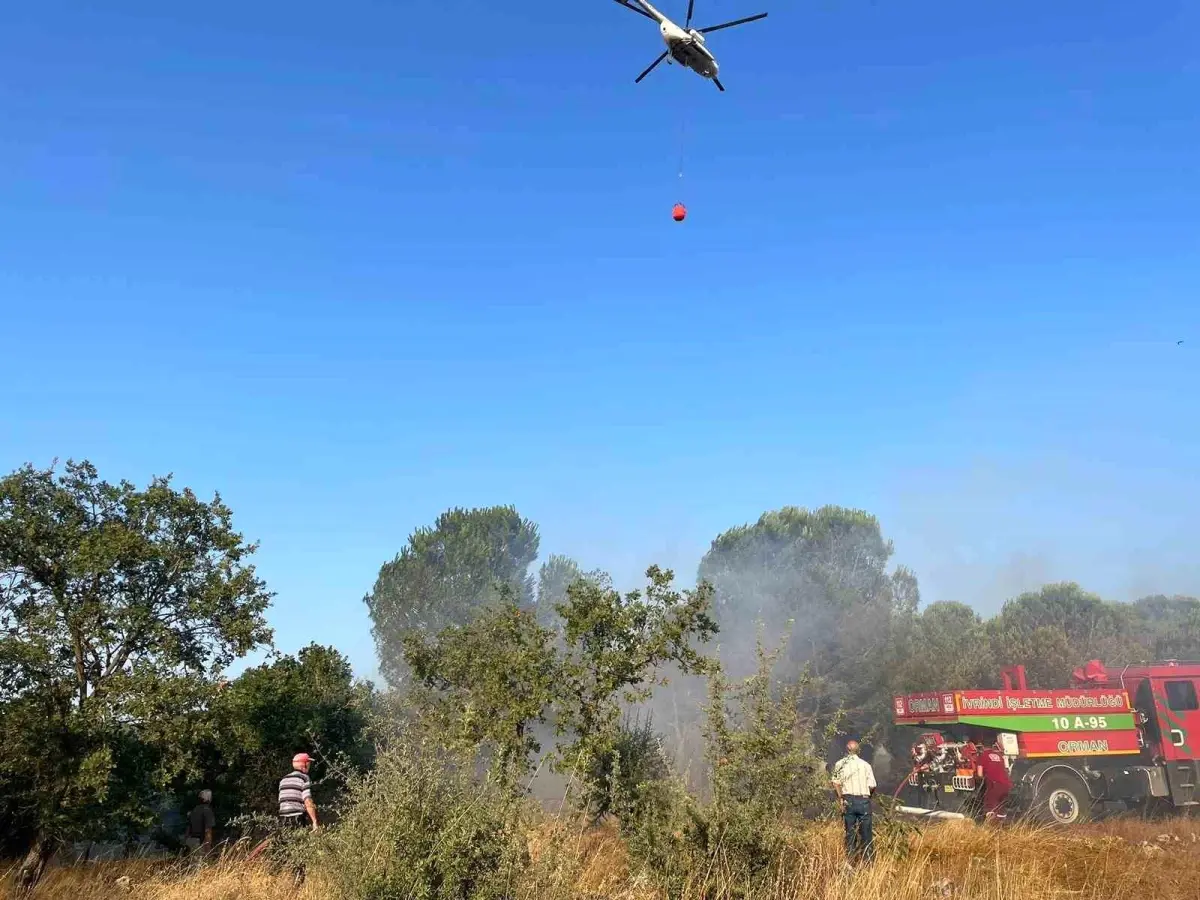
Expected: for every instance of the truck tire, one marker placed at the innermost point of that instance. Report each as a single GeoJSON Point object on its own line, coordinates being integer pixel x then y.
{"type": "Point", "coordinates": [1062, 799]}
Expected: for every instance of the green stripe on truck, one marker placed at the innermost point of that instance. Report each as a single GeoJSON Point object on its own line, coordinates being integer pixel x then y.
{"type": "Point", "coordinates": [1061, 722]}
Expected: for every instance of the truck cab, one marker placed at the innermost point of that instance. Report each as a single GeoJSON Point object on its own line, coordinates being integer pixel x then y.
{"type": "Point", "coordinates": [1166, 700]}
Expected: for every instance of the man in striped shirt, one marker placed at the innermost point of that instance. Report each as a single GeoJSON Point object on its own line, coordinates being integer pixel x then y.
{"type": "Point", "coordinates": [295, 795]}
{"type": "Point", "coordinates": [854, 781]}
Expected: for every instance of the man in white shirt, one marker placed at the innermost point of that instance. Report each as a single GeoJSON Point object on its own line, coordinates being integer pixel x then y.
{"type": "Point", "coordinates": [854, 782]}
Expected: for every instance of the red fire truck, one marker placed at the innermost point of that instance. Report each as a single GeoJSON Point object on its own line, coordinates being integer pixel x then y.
{"type": "Point", "coordinates": [1128, 736]}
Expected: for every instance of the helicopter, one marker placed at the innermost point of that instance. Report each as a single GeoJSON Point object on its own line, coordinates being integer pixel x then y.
{"type": "Point", "coordinates": [684, 45]}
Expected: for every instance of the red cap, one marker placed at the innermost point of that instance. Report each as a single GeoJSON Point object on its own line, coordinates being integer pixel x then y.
{"type": "Point", "coordinates": [301, 758]}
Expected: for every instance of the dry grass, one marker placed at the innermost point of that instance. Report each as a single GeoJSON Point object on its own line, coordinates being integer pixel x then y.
{"type": "Point", "coordinates": [1119, 860]}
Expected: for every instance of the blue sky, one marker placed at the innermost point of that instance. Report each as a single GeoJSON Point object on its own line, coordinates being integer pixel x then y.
{"type": "Point", "coordinates": [353, 264]}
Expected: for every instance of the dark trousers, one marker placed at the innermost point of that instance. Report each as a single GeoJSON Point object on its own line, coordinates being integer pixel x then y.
{"type": "Point", "coordinates": [857, 818]}
{"type": "Point", "coordinates": [292, 824]}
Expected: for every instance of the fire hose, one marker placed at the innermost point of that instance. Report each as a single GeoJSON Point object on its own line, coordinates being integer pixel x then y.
{"type": "Point", "coordinates": [916, 810]}
{"type": "Point", "coordinates": [904, 781]}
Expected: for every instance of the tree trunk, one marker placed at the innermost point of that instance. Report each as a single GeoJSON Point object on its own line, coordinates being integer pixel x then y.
{"type": "Point", "coordinates": [29, 873]}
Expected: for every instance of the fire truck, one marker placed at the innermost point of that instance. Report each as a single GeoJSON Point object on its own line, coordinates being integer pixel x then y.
{"type": "Point", "coordinates": [1125, 737]}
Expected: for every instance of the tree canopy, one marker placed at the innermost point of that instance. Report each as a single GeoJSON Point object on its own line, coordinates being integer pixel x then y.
{"type": "Point", "coordinates": [555, 577]}
{"type": "Point", "coordinates": [1059, 627]}
{"type": "Point", "coordinates": [487, 682]}
{"type": "Point", "coordinates": [447, 573]}
{"type": "Point", "coordinates": [308, 702]}
{"type": "Point", "coordinates": [484, 684]}
{"type": "Point", "coordinates": [819, 579]}
{"type": "Point", "coordinates": [117, 606]}
{"type": "Point", "coordinates": [1169, 627]}
{"type": "Point", "coordinates": [947, 644]}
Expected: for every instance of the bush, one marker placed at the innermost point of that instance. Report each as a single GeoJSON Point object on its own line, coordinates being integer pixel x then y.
{"type": "Point", "coordinates": [623, 777]}
{"type": "Point", "coordinates": [764, 770]}
{"type": "Point", "coordinates": [421, 825]}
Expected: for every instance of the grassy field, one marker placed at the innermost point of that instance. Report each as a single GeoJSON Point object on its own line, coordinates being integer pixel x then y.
{"type": "Point", "coordinates": [1118, 860]}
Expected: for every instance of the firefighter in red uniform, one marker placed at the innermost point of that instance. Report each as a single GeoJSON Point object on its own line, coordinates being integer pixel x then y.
{"type": "Point", "coordinates": [992, 771]}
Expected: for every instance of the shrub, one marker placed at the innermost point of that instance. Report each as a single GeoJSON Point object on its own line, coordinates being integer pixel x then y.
{"type": "Point", "coordinates": [764, 770]}
{"type": "Point", "coordinates": [421, 825]}
{"type": "Point", "coordinates": [622, 777]}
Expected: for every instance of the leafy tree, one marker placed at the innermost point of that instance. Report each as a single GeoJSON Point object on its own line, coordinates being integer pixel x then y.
{"type": "Point", "coordinates": [421, 825]}
{"type": "Point", "coordinates": [485, 683]}
{"type": "Point", "coordinates": [117, 605]}
{"type": "Point", "coordinates": [557, 574]}
{"type": "Point", "coordinates": [308, 702]}
{"type": "Point", "coordinates": [1168, 627]}
{"type": "Point", "coordinates": [819, 579]}
{"type": "Point", "coordinates": [617, 647]}
{"type": "Point", "coordinates": [1061, 626]}
{"type": "Point", "coordinates": [446, 574]}
{"type": "Point", "coordinates": [948, 646]}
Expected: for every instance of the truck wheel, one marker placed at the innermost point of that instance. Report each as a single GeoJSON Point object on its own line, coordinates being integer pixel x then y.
{"type": "Point", "coordinates": [1062, 799]}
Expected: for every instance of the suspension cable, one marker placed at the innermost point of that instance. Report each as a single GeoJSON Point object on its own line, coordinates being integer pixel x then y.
{"type": "Point", "coordinates": [682, 141]}
{"type": "Point", "coordinates": [684, 109]}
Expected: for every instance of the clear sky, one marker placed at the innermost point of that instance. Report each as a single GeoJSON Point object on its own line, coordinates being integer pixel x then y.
{"type": "Point", "coordinates": [353, 263]}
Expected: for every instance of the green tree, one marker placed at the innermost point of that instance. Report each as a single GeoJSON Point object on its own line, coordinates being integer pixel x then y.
{"type": "Point", "coordinates": [1168, 627]}
{"type": "Point", "coordinates": [760, 750]}
{"type": "Point", "coordinates": [307, 702]}
{"type": "Point", "coordinates": [555, 576]}
{"type": "Point", "coordinates": [485, 683]}
{"type": "Point", "coordinates": [117, 606]}
{"type": "Point", "coordinates": [1053, 630]}
{"type": "Point", "coordinates": [819, 579]}
{"type": "Point", "coordinates": [421, 825]}
{"type": "Point", "coordinates": [446, 574]}
{"type": "Point", "coordinates": [617, 647]}
{"type": "Point", "coordinates": [947, 647]}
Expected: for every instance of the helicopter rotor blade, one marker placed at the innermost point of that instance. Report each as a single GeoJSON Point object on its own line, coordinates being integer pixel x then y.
{"type": "Point", "coordinates": [717, 82]}
{"type": "Point", "coordinates": [691, 8]}
{"type": "Point", "coordinates": [651, 67]}
{"type": "Point", "coordinates": [711, 28]}
{"type": "Point", "coordinates": [637, 9]}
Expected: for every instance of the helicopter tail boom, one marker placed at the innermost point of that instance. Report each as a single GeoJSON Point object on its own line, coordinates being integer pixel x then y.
{"type": "Point", "coordinates": [642, 8]}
